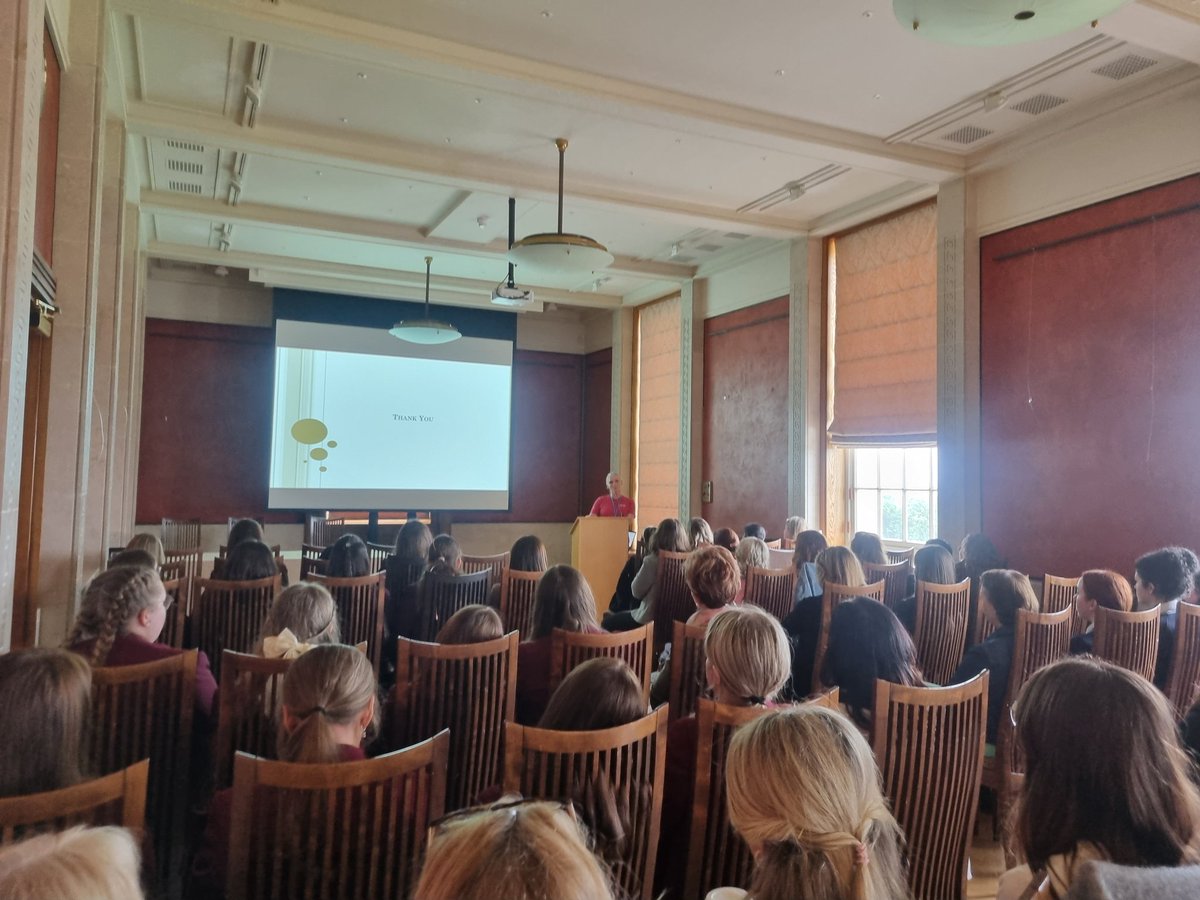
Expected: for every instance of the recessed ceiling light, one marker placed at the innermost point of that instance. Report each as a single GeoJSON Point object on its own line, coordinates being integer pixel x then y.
{"type": "Point", "coordinates": [780, 72]}
{"type": "Point", "coordinates": [878, 96]}
{"type": "Point", "coordinates": [362, 76]}
{"type": "Point", "coordinates": [866, 13]}
{"type": "Point", "coordinates": [448, 141]}
{"type": "Point", "coordinates": [319, 172]}
{"type": "Point", "coordinates": [546, 14]}
{"type": "Point", "coordinates": [344, 120]}
{"type": "Point", "coordinates": [679, 140]}
{"type": "Point", "coordinates": [306, 197]}
{"type": "Point", "coordinates": [478, 99]}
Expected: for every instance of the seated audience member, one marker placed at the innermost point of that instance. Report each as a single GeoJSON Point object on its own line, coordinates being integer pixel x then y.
{"type": "Point", "coordinates": [622, 598]}
{"type": "Point", "coordinates": [804, 558]}
{"type": "Point", "coordinates": [804, 793]}
{"type": "Point", "coordinates": [329, 712]}
{"type": "Point", "coordinates": [699, 532]}
{"type": "Point", "coordinates": [150, 544]}
{"type": "Point", "coordinates": [754, 529]}
{"type": "Point", "coordinates": [670, 537]}
{"type": "Point", "coordinates": [1105, 778]}
{"type": "Point", "coordinates": [445, 556]}
{"type": "Point", "coordinates": [121, 614]}
{"type": "Point", "coordinates": [1096, 588]}
{"type": "Point", "coordinates": [518, 849]}
{"type": "Point", "coordinates": [727, 538]}
{"type": "Point", "coordinates": [76, 864]}
{"type": "Point", "coordinates": [348, 558]}
{"type": "Point", "coordinates": [867, 642]}
{"type": "Point", "coordinates": [241, 530]}
{"type": "Point", "coordinates": [45, 707]}
{"type": "Point", "coordinates": [563, 600]}
{"type": "Point", "coordinates": [404, 569]}
{"type": "Point", "coordinates": [752, 553]}
{"type": "Point", "coordinates": [302, 616]}
{"type": "Point", "coordinates": [976, 555]}
{"type": "Point", "coordinates": [834, 565]}
{"type": "Point", "coordinates": [1161, 579]}
{"type": "Point", "coordinates": [134, 557]}
{"type": "Point", "coordinates": [444, 559]}
{"type": "Point", "coordinates": [1191, 732]}
{"type": "Point", "coordinates": [932, 564]}
{"type": "Point", "coordinates": [472, 624]}
{"type": "Point", "coordinates": [747, 661]}
{"type": "Point", "coordinates": [713, 580]}
{"type": "Point", "coordinates": [249, 561]}
{"type": "Point", "coordinates": [868, 548]}
{"type": "Point", "coordinates": [792, 526]}
{"type": "Point", "coordinates": [528, 554]}
{"type": "Point", "coordinates": [945, 545]}
{"type": "Point", "coordinates": [1002, 592]}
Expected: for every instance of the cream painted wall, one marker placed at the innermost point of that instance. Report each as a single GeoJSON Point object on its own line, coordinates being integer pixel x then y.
{"type": "Point", "coordinates": [558, 331]}
{"type": "Point", "coordinates": [752, 279]}
{"type": "Point", "coordinates": [597, 330]}
{"type": "Point", "coordinates": [197, 296]}
{"type": "Point", "coordinates": [486, 540]}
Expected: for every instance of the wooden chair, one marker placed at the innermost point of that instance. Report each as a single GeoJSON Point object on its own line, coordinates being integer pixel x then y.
{"type": "Point", "coordinates": [687, 669]}
{"type": "Point", "coordinates": [929, 745]}
{"type": "Point", "coordinates": [772, 589]}
{"type": "Point", "coordinates": [359, 603]}
{"type": "Point", "coordinates": [378, 554]}
{"type": "Point", "coordinates": [1059, 593]}
{"type": "Point", "coordinates": [775, 544]}
{"type": "Point", "coordinates": [569, 649]}
{"type": "Point", "coordinates": [141, 712]}
{"type": "Point", "coordinates": [941, 628]}
{"type": "Point", "coordinates": [673, 601]}
{"type": "Point", "coordinates": [116, 799]}
{"type": "Point", "coordinates": [495, 564]}
{"type": "Point", "coordinates": [185, 564]}
{"type": "Point", "coordinates": [248, 706]}
{"type": "Point", "coordinates": [349, 829]}
{"type": "Point", "coordinates": [311, 561]}
{"type": "Point", "coordinates": [176, 625]}
{"type": "Point", "coordinates": [181, 534]}
{"type": "Point", "coordinates": [1183, 679]}
{"type": "Point", "coordinates": [517, 592]}
{"type": "Point", "coordinates": [779, 558]}
{"type": "Point", "coordinates": [1128, 639]}
{"type": "Point", "coordinates": [470, 689]}
{"type": "Point", "coordinates": [832, 596]}
{"type": "Point", "coordinates": [626, 762]}
{"type": "Point", "coordinates": [228, 615]}
{"type": "Point", "coordinates": [983, 625]}
{"type": "Point", "coordinates": [895, 580]}
{"type": "Point", "coordinates": [787, 544]}
{"type": "Point", "coordinates": [441, 596]}
{"type": "Point", "coordinates": [906, 556]}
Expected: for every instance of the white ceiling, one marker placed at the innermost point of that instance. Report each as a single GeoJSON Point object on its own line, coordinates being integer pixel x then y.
{"type": "Point", "coordinates": [335, 143]}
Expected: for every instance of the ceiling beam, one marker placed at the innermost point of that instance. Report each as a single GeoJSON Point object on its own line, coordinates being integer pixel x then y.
{"type": "Point", "coordinates": [338, 35]}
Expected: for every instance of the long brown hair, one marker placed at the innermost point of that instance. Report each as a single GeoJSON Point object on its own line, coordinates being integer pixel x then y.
{"type": "Point", "coordinates": [1008, 591]}
{"type": "Point", "coordinates": [331, 684]}
{"type": "Point", "coordinates": [600, 693]}
{"type": "Point", "coordinates": [563, 600]}
{"type": "Point", "coordinates": [110, 602]}
{"type": "Point", "coordinates": [528, 554]}
{"type": "Point", "coordinates": [413, 540]}
{"type": "Point", "coordinates": [472, 624]}
{"type": "Point", "coordinates": [839, 565]}
{"type": "Point", "coordinates": [1108, 589]}
{"type": "Point", "coordinates": [868, 548]}
{"type": "Point", "coordinates": [808, 545]}
{"type": "Point", "coordinates": [445, 556]}
{"type": "Point", "coordinates": [1104, 766]}
{"type": "Point", "coordinates": [671, 536]}
{"type": "Point", "coordinates": [45, 706]}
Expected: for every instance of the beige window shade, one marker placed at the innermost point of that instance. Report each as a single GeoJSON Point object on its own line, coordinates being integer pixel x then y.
{"type": "Point", "coordinates": [883, 311]}
{"type": "Point", "coordinates": [659, 341]}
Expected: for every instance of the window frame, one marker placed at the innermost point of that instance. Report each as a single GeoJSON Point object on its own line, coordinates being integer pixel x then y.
{"type": "Point", "coordinates": [852, 488]}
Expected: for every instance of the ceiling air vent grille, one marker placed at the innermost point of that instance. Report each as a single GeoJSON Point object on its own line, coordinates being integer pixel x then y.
{"type": "Point", "coordinates": [185, 165]}
{"type": "Point", "coordinates": [708, 248]}
{"type": "Point", "coordinates": [968, 134]}
{"type": "Point", "coordinates": [1038, 104]}
{"type": "Point", "coordinates": [736, 235]}
{"type": "Point", "coordinates": [185, 145]}
{"type": "Point", "coordinates": [1127, 65]}
{"type": "Point", "coordinates": [185, 187]}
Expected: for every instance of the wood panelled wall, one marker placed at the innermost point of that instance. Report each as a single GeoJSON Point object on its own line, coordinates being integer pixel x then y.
{"type": "Point", "coordinates": [746, 416]}
{"type": "Point", "coordinates": [597, 426]}
{"type": "Point", "coordinates": [1090, 382]}
{"type": "Point", "coordinates": [206, 428]}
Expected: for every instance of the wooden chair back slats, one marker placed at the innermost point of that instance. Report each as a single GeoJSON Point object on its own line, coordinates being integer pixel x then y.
{"type": "Point", "coordinates": [895, 580]}
{"type": "Point", "coordinates": [772, 589]}
{"type": "Point", "coordinates": [325, 832]}
{"type": "Point", "coordinates": [1183, 679]}
{"type": "Point", "coordinates": [250, 699]}
{"type": "Point", "coordinates": [470, 689]}
{"type": "Point", "coordinates": [623, 764]}
{"type": "Point", "coordinates": [830, 698]}
{"type": "Point", "coordinates": [115, 799]}
{"type": "Point", "coordinates": [441, 596]}
{"type": "Point", "coordinates": [176, 624]}
{"type": "Point", "coordinates": [687, 669]}
{"type": "Point", "coordinates": [1059, 593]}
{"type": "Point", "coordinates": [904, 556]}
{"type": "Point", "coordinates": [359, 603]}
{"type": "Point", "coordinates": [1128, 639]}
{"type": "Point", "coordinates": [181, 534]}
{"type": "Point", "coordinates": [494, 564]}
{"type": "Point", "coordinates": [943, 611]}
{"type": "Point", "coordinates": [314, 531]}
{"type": "Point", "coordinates": [145, 711]}
{"type": "Point", "coordinates": [672, 600]}
{"type": "Point", "coordinates": [378, 554]}
{"type": "Point", "coordinates": [186, 565]}
{"type": "Point", "coordinates": [311, 561]}
{"type": "Point", "coordinates": [228, 615]}
{"type": "Point", "coordinates": [277, 549]}
{"type": "Point", "coordinates": [929, 745]}
{"type": "Point", "coordinates": [775, 544]}
{"type": "Point", "coordinates": [832, 596]}
{"type": "Point", "coordinates": [517, 593]}
{"type": "Point", "coordinates": [983, 625]}
{"type": "Point", "coordinates": [779, 558]}
{"type": "Point", "coordinates": [570, 649]}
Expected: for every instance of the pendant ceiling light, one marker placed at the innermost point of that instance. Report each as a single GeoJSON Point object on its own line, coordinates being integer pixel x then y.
{"type": "Point", "coordinates": [558, 253]}
{"type": "Point", "coordinates": [508, 293]}
{"type": "Point", "coordinates": [426, 330]}
{"type": "Point", "coordinates": [996, 22]}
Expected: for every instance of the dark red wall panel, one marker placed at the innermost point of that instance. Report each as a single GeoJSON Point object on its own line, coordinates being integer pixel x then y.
{"type": "Point", "coordinates": [746, 416]}
{"type": "Point", "coordinates": [1090, 382]}
{"type": "Point", "coordinates": [597, 425]}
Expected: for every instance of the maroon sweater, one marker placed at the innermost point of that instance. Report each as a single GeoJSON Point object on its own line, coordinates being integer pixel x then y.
{"type": "Point", "coordinates": [130, 650]}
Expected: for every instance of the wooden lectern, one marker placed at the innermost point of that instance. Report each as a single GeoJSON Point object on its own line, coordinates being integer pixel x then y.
{"type": "Point", "coordinates": [599, 549]}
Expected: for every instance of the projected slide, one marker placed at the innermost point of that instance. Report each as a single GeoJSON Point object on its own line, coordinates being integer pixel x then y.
{"type": "Point", "coordinates": [365, 421]}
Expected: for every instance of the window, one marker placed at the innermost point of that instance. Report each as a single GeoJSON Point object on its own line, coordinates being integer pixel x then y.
{"type": "Point", "coordinates": [893, 492]}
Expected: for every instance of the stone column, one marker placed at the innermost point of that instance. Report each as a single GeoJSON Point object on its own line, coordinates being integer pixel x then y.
{"type": "Point", "coordinates": [806, 420]}
{"type": "Point", "coordinates": [21, 28]}
{"type": "Point", "coordinates": [622, 422]}
{"type": "Point", "coordinates": [693, 301]}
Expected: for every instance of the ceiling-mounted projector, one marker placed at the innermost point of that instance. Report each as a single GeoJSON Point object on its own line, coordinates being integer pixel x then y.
{"type": "Point", "coordinates": [511, 295]}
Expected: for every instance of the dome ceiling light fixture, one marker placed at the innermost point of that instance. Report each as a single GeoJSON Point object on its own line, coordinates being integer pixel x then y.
{"type": "Point", "coordinates": [988, 23]}
{"type": "Point", "coordinates": [427, 330]}
{"type": "Point", "coordinates": [557, 253]}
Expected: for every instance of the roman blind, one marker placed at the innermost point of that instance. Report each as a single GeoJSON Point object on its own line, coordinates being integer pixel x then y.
{"type": "Point", "coordinates": [659, 341]}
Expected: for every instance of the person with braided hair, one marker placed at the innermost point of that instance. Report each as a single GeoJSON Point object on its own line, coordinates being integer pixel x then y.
{"type": "Point", "coordinates": [121, 614]}
{"type": "Point", "coordinates": [804, 793]}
